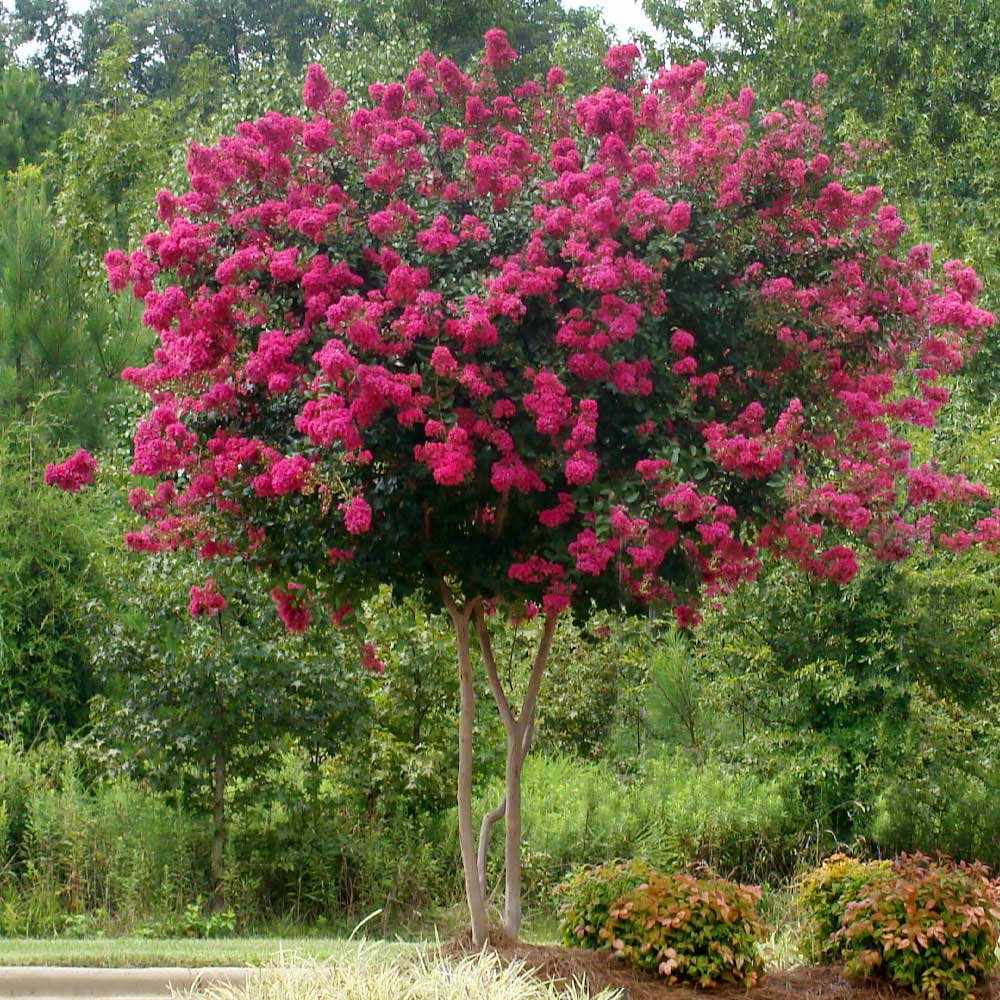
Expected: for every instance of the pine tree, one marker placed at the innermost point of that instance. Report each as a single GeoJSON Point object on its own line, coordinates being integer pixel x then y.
{"type": "Point", "coordinates": [60, 346]}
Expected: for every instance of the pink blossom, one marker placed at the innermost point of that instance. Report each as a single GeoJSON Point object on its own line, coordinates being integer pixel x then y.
{"type": "Point", "coordinates": [620, 60]}
{"type": "Point", "coordinates": [290, 603]}
{"type": "Point", "coordinates": [73, 474]}
{"type": "Point", "coordinates": [205, 600]}
{"type": "Point", "coordinates": [552, 517]}
{"type": "Point", "coordinates": [283, 266]}
{"type": "Point", "coordinates": [681, 342]}
{"type": "Point", "coordinates": [316, 88]}
{"type": "Point", "coordinates": [499, 54]}
{"type": "Point", "coordinates": [370, 660]}
{"type": "Point", "coordinates": [338, 615]}
{"type": "Point", "coordinates": [590, 554]}
{"type": "Point", "coordinates": [535, 570]}
{"type": "Point", "coordinates": [581, 467]}
{"type": "Point", "coordinates": [686, 617]}
{"type": "Point", "coordinates": [678, 218]}
{"type": "Point", "coordinates": [357, 516]}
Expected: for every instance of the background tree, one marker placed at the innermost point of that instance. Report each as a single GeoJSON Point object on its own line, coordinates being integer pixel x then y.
{"type": "Point", "coordinates": [61, 346]}
{"type": "Point", "coordinates": [534, 27]}
{"type": "Point", "coordinates": [51, 29]}
{"type": "Point", "coordinates": [207, 690]}
{"type": "Point", "coordinates": [29, 123]}
{"type": "Point", "coordinates": [47, 579]}
{"type": "Point", "coordinates": [163, 36]}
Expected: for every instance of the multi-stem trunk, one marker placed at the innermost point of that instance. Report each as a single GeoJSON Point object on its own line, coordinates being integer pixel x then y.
{"type": "Point", "coordinates": [518, 729]}
{"type": "Point", "coordinates": [474, 894]}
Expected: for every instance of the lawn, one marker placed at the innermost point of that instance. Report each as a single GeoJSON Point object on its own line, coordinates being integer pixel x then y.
{"type": "Point", "coordinates": [188, 952]}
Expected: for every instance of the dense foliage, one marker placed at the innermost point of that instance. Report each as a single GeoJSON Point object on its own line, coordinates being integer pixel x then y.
{"type": "Point", "coordinates": [929, 926]}
{"type": "Point", "coordinates": [349, 303]}
{"type": "Point", "coordinates": [705, 931]}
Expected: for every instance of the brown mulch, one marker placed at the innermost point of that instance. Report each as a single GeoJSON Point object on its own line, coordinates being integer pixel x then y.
{"type": "Point", "coordinates": [602, 970]}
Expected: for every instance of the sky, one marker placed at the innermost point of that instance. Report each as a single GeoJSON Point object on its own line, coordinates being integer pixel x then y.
{"type": "Point", "coordinates": [624, 16]}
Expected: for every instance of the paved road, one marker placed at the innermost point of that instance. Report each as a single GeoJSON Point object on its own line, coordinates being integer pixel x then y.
{"type": "Point", "coordinates": [56, 983]}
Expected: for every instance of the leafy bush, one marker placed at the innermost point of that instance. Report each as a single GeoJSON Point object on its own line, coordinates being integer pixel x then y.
{"type": "Point", "coordinates": [822, 895]}
{"type": "Point", "coordinates": [587, 897]}
{"type": "Point", "coordinates": [930, 926]}
{"type": "Point", "coordinates": [705, 931]}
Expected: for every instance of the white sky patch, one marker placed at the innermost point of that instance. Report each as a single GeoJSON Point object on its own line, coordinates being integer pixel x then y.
{"type": "Point", "coordinates": [625, 17]}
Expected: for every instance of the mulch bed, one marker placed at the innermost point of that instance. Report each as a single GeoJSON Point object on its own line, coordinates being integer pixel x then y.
{"type": "Point", "coordinates": [601, 970]}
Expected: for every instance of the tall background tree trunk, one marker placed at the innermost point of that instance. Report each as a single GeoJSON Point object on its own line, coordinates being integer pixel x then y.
{"type": "Point", "coordinates": [218, 859]}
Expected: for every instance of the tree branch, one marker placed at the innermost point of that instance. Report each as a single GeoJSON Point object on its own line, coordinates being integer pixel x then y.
{"type": "Point", "coordinates": [486, 648]}
{"type": "Point", "coordinates": [537, 669]}
{"type": "Point", "coordinates": [489, 819]}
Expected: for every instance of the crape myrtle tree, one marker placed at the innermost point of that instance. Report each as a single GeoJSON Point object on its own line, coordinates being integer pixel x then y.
{"type": "Point", "coordinates": [534, 357]}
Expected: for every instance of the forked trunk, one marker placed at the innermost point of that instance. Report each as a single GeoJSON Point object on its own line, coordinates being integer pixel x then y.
{"type": "Point", "coordinates": [474, 893]}
{"type": "Point", "coordinates": [519, 729]}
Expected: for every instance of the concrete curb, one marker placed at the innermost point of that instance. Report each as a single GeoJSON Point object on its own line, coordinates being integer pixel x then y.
{"type": "Point", "coordinates": [52, 982]}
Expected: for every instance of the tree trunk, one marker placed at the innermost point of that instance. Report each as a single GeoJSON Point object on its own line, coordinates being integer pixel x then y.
{"type": "Point", "coordinates": [466, 834]}
{"type": "Point", "coordinates": [218, 831]}
{"type": "Point", "coordinates": [519, 731]}
{"type": "Point", "coordinates": [512, 835]}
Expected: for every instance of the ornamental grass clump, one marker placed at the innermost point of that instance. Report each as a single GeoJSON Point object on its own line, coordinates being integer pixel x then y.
{"type": "Point", "coordinates": [367, 975]}
{"type": "Point", "coordinates": [702, 931]}
{"type": "Point", "coordinates": [587, 897]}
{"type": "Point", "coordinates": [931, 926]}
{"type": "Point", "coordinates": [822, 895]}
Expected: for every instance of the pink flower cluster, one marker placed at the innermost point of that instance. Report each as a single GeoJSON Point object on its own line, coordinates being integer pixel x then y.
{"type": "Point", "coordinates": [291, 604]}
{"type": "Point", "coordinates": [205, 600]}
{"type": "Point", "coordinates": [474, 304]}
{"type": "Point", "coordinates": [73, 474]}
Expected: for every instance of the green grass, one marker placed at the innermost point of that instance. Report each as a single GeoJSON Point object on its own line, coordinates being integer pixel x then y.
{"type": "Point", "coordinates": [189, 952]}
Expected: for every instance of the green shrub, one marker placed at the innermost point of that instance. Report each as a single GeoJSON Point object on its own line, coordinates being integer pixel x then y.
{"type": "Point", "coordinates": [822, 894]}
{"type": "Point", "coordinates": [929, 926]}
{"type": "Point", "coordinates": [79, 857]}
{"type": "Point", "coordinates": [671, 813]}
{"type": "Point", "coordinates": [586, 898]}
{"type": "Point", "coordinates": [703, 931]}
